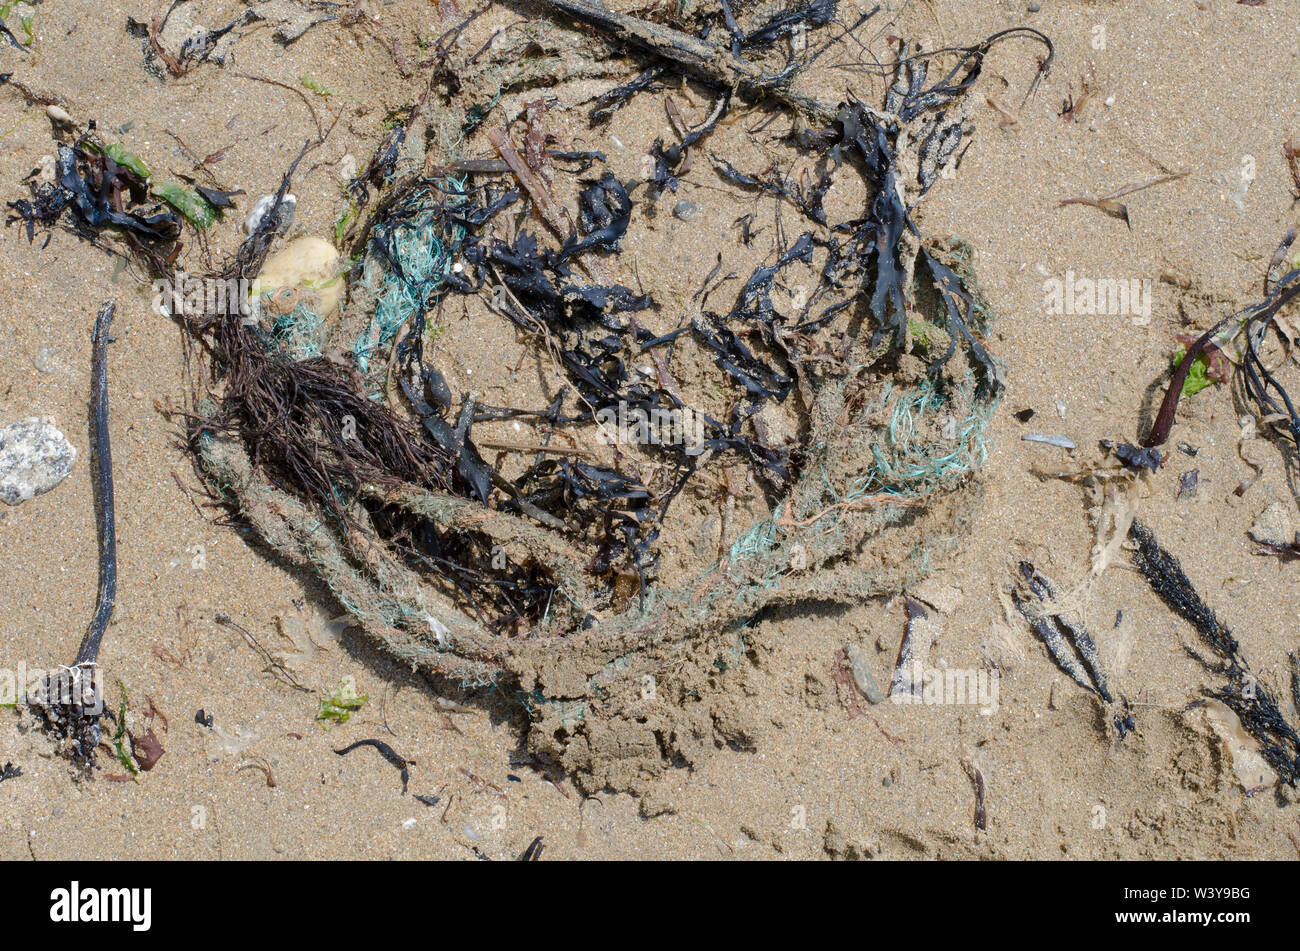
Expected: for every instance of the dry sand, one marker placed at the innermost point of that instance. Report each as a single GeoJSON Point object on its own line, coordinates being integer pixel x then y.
{"type": "Point", "coordinates": [1202, 87]}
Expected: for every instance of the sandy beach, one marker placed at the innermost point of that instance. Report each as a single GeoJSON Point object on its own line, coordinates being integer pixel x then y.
{"type": "Point", "coordinates": [790, 763]}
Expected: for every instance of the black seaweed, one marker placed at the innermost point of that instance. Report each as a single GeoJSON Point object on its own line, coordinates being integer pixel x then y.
{"type": "Point", "coordinates": [1243, 693]}
{"type": "Point", "coordinates": [388, 753]}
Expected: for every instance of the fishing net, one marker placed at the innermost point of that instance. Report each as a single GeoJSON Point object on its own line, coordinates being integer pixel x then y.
{"type": "Point", "coordinates": [541, 582]}
{"type": "Point", "coordinates": [886, 477]}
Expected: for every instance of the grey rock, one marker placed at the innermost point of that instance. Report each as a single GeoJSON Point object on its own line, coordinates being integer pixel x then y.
{"type": "Point", "coordinates": [34, 458]}
{"type": "Point", "coordinates": [1274, 526]}
{"type": "Point", "coordinates": [862, 676]}
{"type": "Point", "coordinates": [686, 210]}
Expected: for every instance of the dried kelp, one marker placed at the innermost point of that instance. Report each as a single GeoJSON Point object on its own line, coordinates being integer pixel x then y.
{"type": "Point", "coordinates": [388, 753]}
{"type": "Point", "coordinates": [289, 20]}
{"type": "Point", "coordinates": [100, 195]}
{"type": "Point", "coordinates": [1038, 600]}
{"type": "Point", "coordinates": [71, 700]}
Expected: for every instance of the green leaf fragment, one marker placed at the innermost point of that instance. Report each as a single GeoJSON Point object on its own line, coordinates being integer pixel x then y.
{"type": "Point", "coordinates": [315, 87]}
{"type": "Point", "coordinates": [119, 744]}
{"type": "Point", "coordinates": [339, 705]}
{"type": "Point", "coordinates": [341, 226]}
{"type": "Point", "coordinates": [1198, 375]}
{"type": "Point", "coordinates": [928, 337]}
{"type": "Point", "coordinates": [196, 209]}
{"type": "Point", "coordinates": [128, 160]}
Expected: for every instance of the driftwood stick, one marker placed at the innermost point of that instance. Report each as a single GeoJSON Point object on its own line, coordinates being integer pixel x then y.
{"type": "Point", "coordinates": [104, 492]}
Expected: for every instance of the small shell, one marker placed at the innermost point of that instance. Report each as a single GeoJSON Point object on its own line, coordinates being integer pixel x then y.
{"type": "Point", "coordinates": [284, 299]}
{"type": "Point", "coordinates": [58, 114]}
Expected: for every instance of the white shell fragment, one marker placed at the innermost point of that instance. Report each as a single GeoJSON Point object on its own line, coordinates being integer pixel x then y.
{"type": "Point", "coordinates": [1061, 442]}
{"type": "Point", "coordinates": [46, 170]}
{"type": "Point", "coordinates": [34, 458]}
{"type": "Point", "coordinates": [1246, 761]}
{"type": "Point", "coordinates": [1275, 526]}
{"type": "Point", "coordinates": [441, 636]}
{"type": "Point", "coordinates": [262, 208]}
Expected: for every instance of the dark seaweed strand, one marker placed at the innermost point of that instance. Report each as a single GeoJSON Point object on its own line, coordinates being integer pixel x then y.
{"type": "Point", "coordinates": [1051, 637]}
{"type": "Point", "coordinates": [104, 492]}
{"type": "Point", "coordinates": [1258, 380]}
{"type": "Point", "coordinates": [1244, 694]}
{"type": "Point", "coordinates": [1165, 575]}
{"type": "Point", "coordinates": [390, 754]}
{"type": "Point", "coordinates": [981, 811]}
{"type": "Point", "coordinates": [1294, 657]}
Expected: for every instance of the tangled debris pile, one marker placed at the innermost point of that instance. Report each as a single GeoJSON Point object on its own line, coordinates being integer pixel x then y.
{"type": "Point", "coordinates": [839, 424]}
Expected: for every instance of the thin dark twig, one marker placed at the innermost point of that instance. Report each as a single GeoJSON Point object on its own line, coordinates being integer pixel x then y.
{"type": "Point", "coordinates": [315, 118]}
{"type": "Point", "coordinates": [104, 485]}
{"type": "Point", "coordinates": [254, 643]}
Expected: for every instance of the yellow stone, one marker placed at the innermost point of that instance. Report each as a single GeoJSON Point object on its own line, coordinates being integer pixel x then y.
{"type": "Point", "coordinates": [304, 271]}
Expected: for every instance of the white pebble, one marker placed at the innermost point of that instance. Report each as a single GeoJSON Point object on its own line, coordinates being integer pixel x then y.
{"type": "Point", "coordinates": [46, 169]}
{"type": "Point", "coordinates": [348, 167]}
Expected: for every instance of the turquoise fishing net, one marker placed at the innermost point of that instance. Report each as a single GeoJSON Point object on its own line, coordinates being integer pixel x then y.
{"type": "Point", "coordinates": [915, 453]}
{"type": "Point", "coordinates": [406, 266]}
{"type": "Point", "coordinates": [298, 334]}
